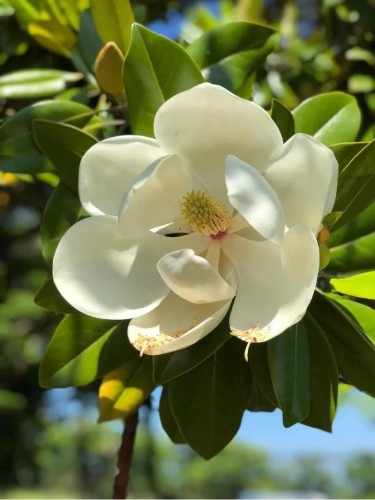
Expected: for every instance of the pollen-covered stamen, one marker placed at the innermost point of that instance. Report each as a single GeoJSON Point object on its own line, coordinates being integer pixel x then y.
{"type": "Point", "coordinates": [204, 215]}
{"type": "Point", "coordinates": [146, 343]}
{"type": "Point", "coordinates": [253, 334]}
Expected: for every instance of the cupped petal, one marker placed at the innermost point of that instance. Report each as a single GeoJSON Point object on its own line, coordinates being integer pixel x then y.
{"type": "Point", "coordinates": [175, 324]}
{"type": "Point", "coordinates": [108, 275]}
{"type": "Point", "coordinates": [275, 282]}
{"type": "Point", "coordinates": [205, 124]}
{"type": "Point", "coordinates": [155, 198]}
{"type": "Point", "coordinates": [251, 195]}
{"type": "Point", "coordinates": [192, 278]}
{"type": "Point", "coordinates": [305, 180]}
{"type": "Point", "coordinates": [109, 168]}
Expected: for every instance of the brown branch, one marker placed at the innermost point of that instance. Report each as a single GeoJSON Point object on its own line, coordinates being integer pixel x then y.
{"type": "Point", "coordinates": [120, 486]}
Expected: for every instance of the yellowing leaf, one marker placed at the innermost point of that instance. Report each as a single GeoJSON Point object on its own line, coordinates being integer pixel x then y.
{"type": "Point", "coordinates": [53, 36]}
{"type": "Point", "coordinates": [124, 389]}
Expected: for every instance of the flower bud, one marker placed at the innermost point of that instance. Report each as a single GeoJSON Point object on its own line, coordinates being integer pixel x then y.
{"type": "Point", "coordinates": [108, 69]}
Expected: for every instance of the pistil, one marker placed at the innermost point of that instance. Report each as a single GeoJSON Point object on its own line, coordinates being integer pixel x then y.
{"type": "Point", "coordinates": [204, 215]}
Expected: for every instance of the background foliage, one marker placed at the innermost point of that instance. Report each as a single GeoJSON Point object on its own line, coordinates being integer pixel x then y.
{"type": "Point", "coordinates": [48, 51]}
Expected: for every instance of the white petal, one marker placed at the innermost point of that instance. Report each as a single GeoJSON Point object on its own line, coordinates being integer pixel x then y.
{"type": "Point", "coordinates": [305, 180]}
{"type": "Point", "coordinates": [155, 198]}
{"type": "Point", "coordinates": [205, 124]}
{"type": "Point", "coordinates": [110, 167]}
{"type": "Point", "coordinates": [276, 282]}
{"type": "Point", "coordinates": [254, 199]}
{"type": "Point", "coordinates": [193, 278]}
{"type": "Point", "coordinates": [107, 275]}
{"type": "Point", "coordinates": [183, 322]}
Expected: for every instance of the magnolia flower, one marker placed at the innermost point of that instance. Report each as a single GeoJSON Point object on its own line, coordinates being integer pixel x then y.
{"type": "Point", "coordinates": [215, 211]}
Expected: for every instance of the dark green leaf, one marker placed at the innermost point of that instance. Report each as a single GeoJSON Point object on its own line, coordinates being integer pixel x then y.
{"type": "Point", "coordinates": [352, 246]}
{"type": "Point", "coordinates": [331, 118]}
{"type": "Point", "coordinates": [324, 378]}
{"type": "Point", "coordinates": [64, 145]}
{"type": "Point", "coordinates": [289, 362]}
{"type": "Point", "coordinates": [49, 297]}
{"type": "Point", "coordinates": [24, 164]}
{"type": "Point", "coordinates": [89, 42]}
{"type": "Point", "coordinates": [258, 401]}
{"type": "Point", "coordinates": [150, 77]}
{"type": "Point", "coordinates": [354, 351]}
{"type": "Point", "coordinates": [61, 212]}
{"type": "Point", "coordinates": [283, 119]}
{"type": "Point", "coordinates": [258, 362]}
{"type": "Point", "coordinates": [83, 349]}
{"type": "Point", "coordinates": [167, 419]}
{"type": "Point", "coordinates": [356, 185]}
{"type": "Point", "coordinates": [346, 151]}
{"type": "Point", "coordinates": [208, 402]}
{"type": "Point", "coordinates": [170, 366]}
{"type": "Point", "coordinates": [223, 41]}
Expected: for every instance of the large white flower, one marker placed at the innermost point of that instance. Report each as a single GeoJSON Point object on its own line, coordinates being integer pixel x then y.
{"type": "Point", "coordinates": [215, 208]}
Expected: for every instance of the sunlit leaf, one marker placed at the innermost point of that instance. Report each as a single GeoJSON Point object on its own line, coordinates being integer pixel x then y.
{"type": "Point", "coordinates": [361, 285]}
{"type": "Point", "coordinates": [331, 118]}
{"type": "Point", "coordinates": [53, 36]}
{"type": "Point", "coordinates": [151, 78]}
{"type": "Point", "coordinates": [83, 349]}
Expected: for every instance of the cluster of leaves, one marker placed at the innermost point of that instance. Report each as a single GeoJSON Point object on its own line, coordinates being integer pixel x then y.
{"type": "Point", "coordinates": [207, 387]}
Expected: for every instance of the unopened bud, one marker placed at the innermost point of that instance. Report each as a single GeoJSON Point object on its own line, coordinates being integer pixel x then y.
{"type": "Point", "coordinates": [108, 69]}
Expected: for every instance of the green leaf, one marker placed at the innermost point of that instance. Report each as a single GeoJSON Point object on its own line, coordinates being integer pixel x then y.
{"type": "Point", "coordinates": [258, 401]}
{"type": "Point", "coordinates": [61, 212]}
{"type": "Point", "coordinates": [150, 77]}
{"type": "Point", "coordinates": [289, 362]}
{"type": "Point", "coordinates": [89, 43]}
{"type": "Point", "coordinates": [331, 118]}
{"type": "Point", "coordinates": [83, 349]}
{"type": "Point", "coordinates": [258, 362]}
{"type": "Point", "coordinates": [170, 366]}
{"type": "Point", "coordinates": [361, 285]}
{"type": "Point", "coordinates": [283, 119]}
{"type": "Point", "coordinates": [113, 20]}
{"type": "Point", "coordinates": [223, 41]}
{"type": "Point", "coordinates": [352, 246]}
{"type": "Point", "coordinates": [64, 145]}
{"type": "Point", "coordinates": [208, 402]}
{"type": "Point", "coordinates": [16, 137]}
{"type": "Point", "coordinates": [167, 419]}
{"type": "Point", "coordinates": [33, 164]}
{"type": "Point", "coordinates": [324, 378]}
{"type": "Point", "coordinates": [356, 185]}
{"type": "Point", "coordinates": [49, 297]}
{"type": "Point", "coordinates": [362, 314]}
{"type": "Point", "coordinates": [124, 390]}
{"type": "Point", "coordinates": [354, 351]}
{"type": "Point", "coordinates": [35, 83]}
{"type": "Point", "coordinates": [346, 151]}
{"type": "Point", "coordinates": [53, 36]}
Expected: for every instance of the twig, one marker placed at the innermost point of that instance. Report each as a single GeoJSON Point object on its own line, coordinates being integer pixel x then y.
{"type": "Point", "coordinates": [120, 486]}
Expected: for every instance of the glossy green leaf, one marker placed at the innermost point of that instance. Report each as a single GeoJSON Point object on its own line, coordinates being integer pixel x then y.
{"type": "Point", "coordinates": [61, 212]}
{"type": "Point", "coordinates": [361, 285]}
{"type": "Point", "coordinates": [167, 419]}
{"type": "Point", "coordinates": [346, 151]}
{"type": "Point", "coordinates": [113, 20]}
{"type": "Point", "coordinates": [354, 351]}
{"type": "Point", "coordinates": [49, 297]}
{"type": "Point", "coordinates": [226, 40]}
{"type": "Point", "coordinates": [324, 378]}
{"type": "Point", "coordinates": [64, 145]}
{"type": "Point", "coordinates": [362, 314]}
{"type": "Point", "coordinates": [89, 43]}
{"type": "Point", "coordinates": [289, 362]}
{"type": "Point", "coordinates": [208, 402]}
{"type": "Point", "coordinates": [150, 77]}
{"type": "Point", "coordinates": [83, 349]}
{"type": "Point", "coordinates": [258, 401]}
{"type": "Point", "coordinates": [124, 390]}
{"type": "Point", "coordinates": [283, 119]}
{"type": "Point", "coordinates": [331, 118]}
{"type": "Point", "coordinates": [356, 185]}
{"type": "Point", "coordinates": [352, 246]}
{"type": "Point", "coordinates": [35, 83]}
{"type": "Point", "coordinates": [259, 366]}
{"type": "Point", "coordinates": [16, 137]}
{"type": "Point", "coordinates": [170, 366]}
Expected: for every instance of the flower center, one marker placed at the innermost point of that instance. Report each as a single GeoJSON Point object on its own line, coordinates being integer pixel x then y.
{"type": "Point", "coordinates": [204, 215]}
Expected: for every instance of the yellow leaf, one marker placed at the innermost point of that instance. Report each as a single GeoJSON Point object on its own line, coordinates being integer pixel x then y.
{"type": "Point", "coordinates": [53, 36]}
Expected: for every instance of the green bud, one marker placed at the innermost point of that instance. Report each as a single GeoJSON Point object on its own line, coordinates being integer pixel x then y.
{"type": "Point", "coordinates": [324, 255]}
{"type": "Point", "coordinates": [108, 69]}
